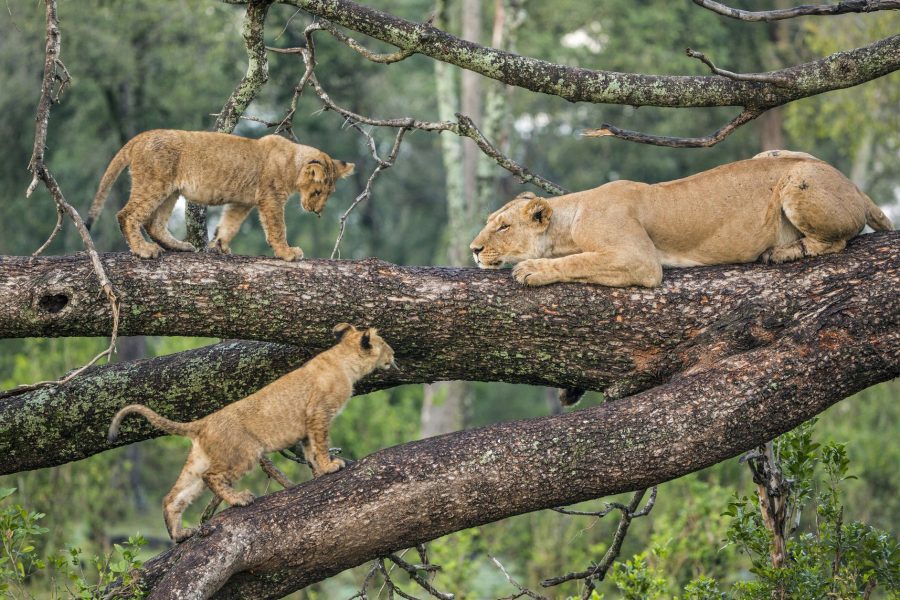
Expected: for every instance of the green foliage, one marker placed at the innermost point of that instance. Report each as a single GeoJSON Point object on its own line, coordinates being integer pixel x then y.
{"type": "Point", "coordinates": [636, 580]}
{"type": "Point", "coordinates": [69, 574]}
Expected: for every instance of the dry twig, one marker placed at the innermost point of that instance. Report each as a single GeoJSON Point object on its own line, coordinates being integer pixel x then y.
{"type": "Point", "coordinates": [56, 74]}
{"type": "Point", "coordinates": [847, 6]}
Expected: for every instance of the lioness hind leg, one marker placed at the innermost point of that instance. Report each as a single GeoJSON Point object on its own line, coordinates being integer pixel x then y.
{"type": "Point", "coordinates": [825, 207]}
{"type": "Point", "coordinates": [158, 227]}
{"type": "Point", "coordinates": [137, 212]}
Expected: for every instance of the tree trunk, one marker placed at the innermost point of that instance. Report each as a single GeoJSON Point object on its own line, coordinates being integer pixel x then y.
{"type": "Point", "coordinates": [444, 323]}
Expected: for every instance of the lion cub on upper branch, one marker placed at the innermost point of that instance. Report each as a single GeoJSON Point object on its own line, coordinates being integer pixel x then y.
{"type": "Point", "coordinates": [297, 407]}
{"type": "Point", "coordinates": [216, 168]}
{"type": "Point", "coordinates": [778, 206]}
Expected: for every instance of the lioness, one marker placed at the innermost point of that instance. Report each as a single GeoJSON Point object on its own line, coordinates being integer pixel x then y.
{"type": "Point", "coordinates": [297, 407]}
{"type": "Point", "coordinates": [216, 168]}
{"type": "Point", "coordinates": [778, 206]}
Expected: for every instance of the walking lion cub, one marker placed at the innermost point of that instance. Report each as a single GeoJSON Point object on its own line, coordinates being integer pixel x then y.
{"type": "Point", "coordinates": [778, 206]}
{"type": "Point", "coordinates": [297, 407]}
{"type": "Point", "coordinates": [216, 168]}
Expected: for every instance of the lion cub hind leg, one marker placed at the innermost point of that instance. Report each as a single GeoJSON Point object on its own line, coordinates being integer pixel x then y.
{"type": "Point", "coordinates": [274, 472]}
{"type": "Point", "coordinates": [232, 217]}
{"type": "Point", "coordinates": [137, 212]}
{"type": "Point", "coordinates": [220, 484]}
{"type": "Point", "coordinates": [158, 227]}
{"type": "Point", "coordinates": [187, 488]}
{"type": "Point", "coordinates": [825, 210]}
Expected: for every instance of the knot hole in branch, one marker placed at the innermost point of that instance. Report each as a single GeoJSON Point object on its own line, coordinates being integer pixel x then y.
{"type": "Point", "coordinates": [53, 303]}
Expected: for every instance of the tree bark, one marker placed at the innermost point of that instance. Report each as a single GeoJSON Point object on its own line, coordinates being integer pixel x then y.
{"type": "Point", "coordinates": [841, 339]}
{"type": "Point", "coordinates": [576, 84]}
{"type": "Point", "coordinates": [444, 324]}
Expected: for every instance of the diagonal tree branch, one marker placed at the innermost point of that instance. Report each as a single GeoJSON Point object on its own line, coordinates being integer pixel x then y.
{"type": "Point", "coordinates": [717, 411]}
{"type": "Point", "coordinates": [620, 341]}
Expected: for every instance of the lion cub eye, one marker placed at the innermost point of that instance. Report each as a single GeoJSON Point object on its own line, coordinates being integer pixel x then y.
{"type": "Point", "coordinates": [502, 228]}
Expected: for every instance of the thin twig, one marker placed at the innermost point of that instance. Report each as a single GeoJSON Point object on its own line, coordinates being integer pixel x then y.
{"type": "Point", "coordinates": [598, 571]}
{"type": "Point", "coordinates": [523, 591]}
{"type": "Point", "coordinates": [747, 115]}
{"type": "Point", "coordinates": [847, 6]}
{"type": "Point", "coordinates": [56, 72]}
{"type": "Point", "coordinates": [779, 80]}
{"type": "Point", "coordinates": [413, 571]}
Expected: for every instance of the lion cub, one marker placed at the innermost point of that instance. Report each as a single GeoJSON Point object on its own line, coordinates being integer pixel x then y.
{"type": "Point", "coordinates": [297, 407]}
{"type": "Point", "coordinates": [216, 168]}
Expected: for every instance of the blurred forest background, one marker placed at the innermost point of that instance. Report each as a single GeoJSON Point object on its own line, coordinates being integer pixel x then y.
{"type": "Point", "coordinates": [143, 64]}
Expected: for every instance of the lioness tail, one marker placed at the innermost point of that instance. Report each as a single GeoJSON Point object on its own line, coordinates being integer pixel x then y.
{"type": "Point", "coordinates": [121, 160]}
{"type": "Point", "coordinates": [876, 219]}
{"type": "Point", "coordinates": [173, 427]}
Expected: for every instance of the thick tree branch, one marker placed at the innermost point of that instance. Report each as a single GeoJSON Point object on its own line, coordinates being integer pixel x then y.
{"type": "Point", "coordinates": [840, 344]}
{"type": "Point", "coordinates": [620, 341]}
{"type": "Point", "coordinates": [576, 84]}
{"type": "Point", "coordinates": [847, 6]}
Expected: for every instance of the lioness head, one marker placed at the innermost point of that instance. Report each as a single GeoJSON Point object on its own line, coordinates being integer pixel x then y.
{"type": "Point", "coordinates": [514, 233]}
{"type": "Point", "coordinates": [317, 178]}
{"type": "Point", "coordinates": [366, 345]}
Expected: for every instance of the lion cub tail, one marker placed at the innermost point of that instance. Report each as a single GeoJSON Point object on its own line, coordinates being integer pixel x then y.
{"type": "Point", "coordinates": [876, 219]}
{"type": "Point", "coordinates": [173, 427]}
{"type": "Point", "coordinates": [121, 160]}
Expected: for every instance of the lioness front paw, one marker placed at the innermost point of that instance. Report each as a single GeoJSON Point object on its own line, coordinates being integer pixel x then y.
{"type": "Point", "coordinates": [289, 254]}
{"type": "Point", "coordinates": [532, 272]}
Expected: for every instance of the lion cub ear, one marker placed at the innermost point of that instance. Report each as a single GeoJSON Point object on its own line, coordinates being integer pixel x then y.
{"type": "Point", "coordinates": [526, 196]}
{"type": "Point", "coordinates": [314, 171]}
{"type": "Point", "coordinates": [365, 341]}
{"type": "Point", "coordinates": [538, 211]}
{"type": "Point", "coordinates": [340, 330]}
{"type": "Point", "coordinates": [344, 169]}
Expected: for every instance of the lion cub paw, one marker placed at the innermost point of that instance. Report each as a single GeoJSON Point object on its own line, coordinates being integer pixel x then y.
{"type": "Point", "coordinates": [289, 254]}
{"type": "Point", "coordinates": [335, 465]}
{"type": "Point", "coordinates": [217, 246]}
{"type": "Point", "coordinates": [183, 535]}
{"type": "Point", "coordinates": [148, 251]}
{"type": "Point", "coordinates": [242, 498]}
{"type": "Point", "coordinates": [532, 272]}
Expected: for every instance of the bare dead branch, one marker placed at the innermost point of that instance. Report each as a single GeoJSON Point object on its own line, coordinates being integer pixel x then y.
{"type": "Point", "coordinates": [598, 572]}
{"type": "Point", "coordinates": [56, 72]}
{"type": "Point", "coordinates": [847, 6]}
{"type": "Point", "coordinates": [606, 130]}
{"type": "Point", "coordinates": [385, 59]}
{"type": "Point", "coordinates": [413, 571]}
{"type": "Point", "coordinates": [763, 77]}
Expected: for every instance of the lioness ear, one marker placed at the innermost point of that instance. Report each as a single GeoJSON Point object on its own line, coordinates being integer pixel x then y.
{"type": "Point", "coordinates": [344, 169]}
{"type": "Point", "coordinates": [538, 211]}
{"type": "Point", "coordinates": [365, 341]}
{"type": "Point", "coordinates": [340, 330]}
{"type": "Point", "coordinates": [314, 171]}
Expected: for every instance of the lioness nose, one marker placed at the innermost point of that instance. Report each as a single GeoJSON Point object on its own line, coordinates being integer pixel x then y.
{"type": "Point", "coordinates": [476, 249]}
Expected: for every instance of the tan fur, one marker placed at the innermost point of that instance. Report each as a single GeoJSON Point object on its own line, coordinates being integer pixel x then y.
{"type": "Point", "coordinates": [777, 207]}
{"type": "Point", "coordinates": [297, 407]}
{"type": "Point", "coordinates": [216, 168]}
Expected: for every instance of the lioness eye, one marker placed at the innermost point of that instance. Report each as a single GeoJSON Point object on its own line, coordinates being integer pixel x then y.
{"type": "Point", "coordinates": [503, 228]}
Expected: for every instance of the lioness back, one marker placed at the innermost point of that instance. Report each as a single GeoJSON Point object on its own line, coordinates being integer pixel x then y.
{"type": "Point", "coordinates": [216, 168]}
{"type": "Point", "coordinates": [777, 207]}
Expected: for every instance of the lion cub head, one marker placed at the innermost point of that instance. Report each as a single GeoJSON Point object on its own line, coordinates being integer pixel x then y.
{"type": "Point", "coordinates": [317, 178]}
{"type": "Point", "coordinates": [514, 233]}
{"type": "Point", "coordinates": [365, 347]}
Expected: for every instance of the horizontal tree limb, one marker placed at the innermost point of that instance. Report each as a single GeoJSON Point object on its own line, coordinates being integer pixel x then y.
{"type": "Point", "coordinates": [444, 324]}
{"type": "Point", "coordinates": [416, 492]}
{"type": "Point", "coordinates": [576, 84]}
